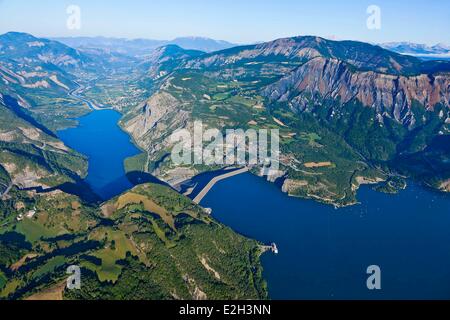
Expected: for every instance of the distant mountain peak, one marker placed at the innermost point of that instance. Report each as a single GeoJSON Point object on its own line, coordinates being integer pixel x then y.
{"type": "Point", "coordinates": [174, 50]}
{"type": "Point", "coordinates": [19, 36]}
{"type": "Point", "coordinates": [197, 38]}
{"type": "Point", "coordinates": [202, 43]}
{"type": "Point", "coordinates": [438, 51]}
{"type": "Point", "coordinates": [363, 56]}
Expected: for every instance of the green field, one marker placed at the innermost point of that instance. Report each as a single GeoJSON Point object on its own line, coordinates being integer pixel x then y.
{"type": "Point", "coordinates": [117, 247]}
{"type": "Point", "coordinates": [49, 266]}
{"type": "Point", "coordinates": [34, 231]}
{"type": "Point", "coordinates": [10, 288]}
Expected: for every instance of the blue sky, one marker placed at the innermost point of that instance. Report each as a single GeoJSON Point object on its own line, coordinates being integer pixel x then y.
{"type": "Point", "coordinates": [240, 21]}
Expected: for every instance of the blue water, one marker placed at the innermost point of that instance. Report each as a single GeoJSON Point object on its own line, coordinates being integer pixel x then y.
{"type": "Point", "coordinates": [324, 253]}
{"type": "Point", "coordinates": [99, 137]}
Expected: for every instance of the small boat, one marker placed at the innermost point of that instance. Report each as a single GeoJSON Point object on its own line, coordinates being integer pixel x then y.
{"type": "Point", "coordinates": [274, 248]}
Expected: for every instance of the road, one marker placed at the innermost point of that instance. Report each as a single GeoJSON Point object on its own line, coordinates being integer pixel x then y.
{"type": "Point", "coordinates": [215, 180]}
{"type": "Point", "coordinates": [74, 94]}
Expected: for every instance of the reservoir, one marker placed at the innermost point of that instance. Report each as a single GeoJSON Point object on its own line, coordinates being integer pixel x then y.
{"type": "Point", "coordinates": [99, 137]}
{"type": "Point", "coordinates": [323, 253]}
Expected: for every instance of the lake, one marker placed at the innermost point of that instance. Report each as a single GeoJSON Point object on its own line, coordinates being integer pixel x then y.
{"type": "Point", "coordinates": [324, 252]}
{"type": "Point", "coordinates": [99, 137]}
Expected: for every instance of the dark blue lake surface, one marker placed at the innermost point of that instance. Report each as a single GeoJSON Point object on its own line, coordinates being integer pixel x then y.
{"type": "Point", "coordinates": [324, 253]}
{"type": "Point", "coordinates": [100, 138]}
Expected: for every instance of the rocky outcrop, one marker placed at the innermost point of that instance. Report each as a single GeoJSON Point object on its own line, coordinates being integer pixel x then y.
{"type": "Point", "coordinates": [149, 114]}
{"type": "Point", "coordinates": [152, 123]}
{"type": "Point", "coordinates": [389, 95]}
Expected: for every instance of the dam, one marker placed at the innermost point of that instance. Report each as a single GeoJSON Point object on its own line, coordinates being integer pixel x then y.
{"type": "Point", "coordinates": [198, 199]}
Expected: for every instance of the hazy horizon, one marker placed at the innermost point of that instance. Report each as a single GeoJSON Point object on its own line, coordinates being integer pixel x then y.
{"type": "Point", "coordinates": [207, 38]}
{"type": "Point", "coordinates": [246, 22]}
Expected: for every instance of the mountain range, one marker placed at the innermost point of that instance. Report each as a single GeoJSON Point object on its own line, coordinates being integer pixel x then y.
{"type": "Point", "coordinates": [142, 47]}
{"type": "Point", "coordinates": [349, 113]}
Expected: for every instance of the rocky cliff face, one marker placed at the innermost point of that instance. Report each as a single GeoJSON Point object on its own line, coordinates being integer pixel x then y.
{"type": "Point", "coordinates": [389, 95]}
{"type": "Point", "coordinates": [152, 123]}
